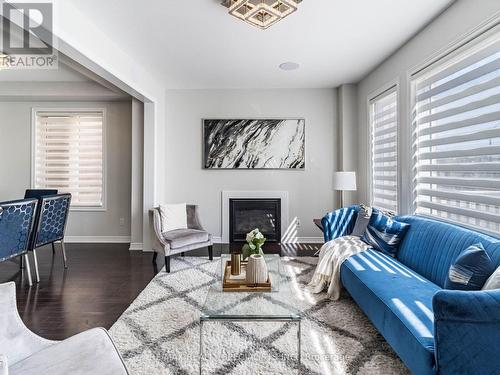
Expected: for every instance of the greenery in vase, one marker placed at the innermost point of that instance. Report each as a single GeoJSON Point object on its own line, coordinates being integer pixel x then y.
{"type": "Point", "coordinates": [255, 240]}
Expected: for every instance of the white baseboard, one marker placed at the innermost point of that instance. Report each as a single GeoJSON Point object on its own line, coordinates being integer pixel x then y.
{"type": "Point", "coordinates": [309, 240]}
{"type": "Point", "coordinates": [218, 239]}
{"type": "Point", "coordinates": [136, 246]}
{"type": "Point", "coordinates": [97, 239]}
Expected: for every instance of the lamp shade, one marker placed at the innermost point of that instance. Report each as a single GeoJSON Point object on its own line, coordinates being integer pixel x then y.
{"type": "Point", "coordinates": [345, 181]}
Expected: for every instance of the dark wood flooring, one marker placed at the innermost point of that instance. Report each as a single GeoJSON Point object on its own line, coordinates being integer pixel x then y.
{"type": "Point", "coordinates": [101, 282]}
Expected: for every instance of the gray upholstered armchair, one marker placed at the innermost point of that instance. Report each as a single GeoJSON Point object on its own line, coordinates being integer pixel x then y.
{"type": "Point", "coordinates": [23, 352]}
{"type": "Point", "coordinates": [179, 240]}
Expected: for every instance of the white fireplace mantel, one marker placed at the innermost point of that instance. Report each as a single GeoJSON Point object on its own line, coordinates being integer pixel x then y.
{"type": "Point", "coordinates": [226, 195]}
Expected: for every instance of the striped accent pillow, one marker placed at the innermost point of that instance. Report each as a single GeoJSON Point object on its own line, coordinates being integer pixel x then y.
{"type": "Point", "coordinates": [470, 270]}
{"type": "Point", "coordinates": [385, 234]}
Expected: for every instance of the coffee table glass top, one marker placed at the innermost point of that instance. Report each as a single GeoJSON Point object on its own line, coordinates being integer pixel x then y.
{"type": "Point", "coordinates": [278, 304]}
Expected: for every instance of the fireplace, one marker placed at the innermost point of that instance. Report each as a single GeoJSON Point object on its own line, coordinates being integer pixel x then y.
{"type": "Point", "coordinates": [248, 214]}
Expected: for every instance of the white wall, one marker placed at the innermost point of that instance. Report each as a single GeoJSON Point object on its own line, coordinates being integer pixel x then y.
{"type": "Point", "coordinates": [310, 191]}
{"type": "Point", "coordinates": [137, 213]}
{"type": "Point", "coordinates": [348, 134]}
{"type": "Point", "coordinates": [15, 164]}
{"type": "Point", "coordinates": [450, 27]}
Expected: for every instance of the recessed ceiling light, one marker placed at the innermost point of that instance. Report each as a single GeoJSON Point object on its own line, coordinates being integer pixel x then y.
{"type": "Point", "coordinates": [289, 66]}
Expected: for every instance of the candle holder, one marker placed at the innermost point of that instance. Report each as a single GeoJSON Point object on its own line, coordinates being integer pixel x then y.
{"type": "Point", "coordinates": [235, 264]}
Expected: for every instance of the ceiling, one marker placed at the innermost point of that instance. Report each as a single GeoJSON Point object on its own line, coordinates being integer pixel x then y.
{"type": "Point", "coordinates": [196, 44]}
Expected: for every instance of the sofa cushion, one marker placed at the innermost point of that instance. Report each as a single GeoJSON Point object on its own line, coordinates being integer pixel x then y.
{"type": "Point", "coordinates": [431, 246]}
{"type": "Point", "coordinates": [398, 301]}
{"type": "Point", "coordinates": [470, 270]}
{"type": "Point", "coordinates": [183, 237]}
{"type": "Point", "coordinates": [384, 233]}
{"type": "Point", "coordinates": [89, 352]}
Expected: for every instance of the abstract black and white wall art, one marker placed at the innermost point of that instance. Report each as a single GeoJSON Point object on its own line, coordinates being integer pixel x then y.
{"type": "Point", "coordinates": [254, 144]}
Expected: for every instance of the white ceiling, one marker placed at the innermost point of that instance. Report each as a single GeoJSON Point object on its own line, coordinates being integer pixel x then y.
{"type": "Point", "coordinates": [196, 44]}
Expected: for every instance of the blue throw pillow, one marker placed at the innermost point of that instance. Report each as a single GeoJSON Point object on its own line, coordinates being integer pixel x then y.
{"type": "Point", "coordinates": [470, 270]}
{"type": "Point", "coordinates": [384, 234]}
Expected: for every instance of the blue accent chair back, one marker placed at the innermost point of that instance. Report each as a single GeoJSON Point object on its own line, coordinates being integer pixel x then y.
{"type": "Point", "coordinates": [53, 218]}
{"type": "Point", "coordinates": [339, 222]}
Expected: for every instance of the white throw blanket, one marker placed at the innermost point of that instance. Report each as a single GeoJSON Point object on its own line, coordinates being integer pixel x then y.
{"type": "Point", "coordinates": [331, 256]}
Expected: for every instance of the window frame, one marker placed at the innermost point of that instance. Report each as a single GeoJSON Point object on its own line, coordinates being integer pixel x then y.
{"type": "Point", "coordinates": [76, 111]}
{"type": "Point", "coordinates": [389, 86]}
{"type": "Point", "coordinates": [448, 56]}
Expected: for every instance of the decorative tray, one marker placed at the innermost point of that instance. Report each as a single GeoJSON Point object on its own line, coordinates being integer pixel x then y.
{"type": "Point", "coordinates": [237, 283]}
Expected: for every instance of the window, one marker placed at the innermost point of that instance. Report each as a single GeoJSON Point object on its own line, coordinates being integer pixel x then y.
{"type": "Point", "coordinates": [457, 125]}
{"type": "Point", "coordinates": [68, 155]}
{"type": "Point", "coordinates": [384, 157]}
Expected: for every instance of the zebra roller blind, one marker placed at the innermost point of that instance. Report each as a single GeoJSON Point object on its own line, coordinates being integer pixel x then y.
{"type": "Point", "coordinates": [384, 136]}
{"type": "Point", "coordinates": [69, 155]}
{"type": "Point", "coordinates": [457, 132]}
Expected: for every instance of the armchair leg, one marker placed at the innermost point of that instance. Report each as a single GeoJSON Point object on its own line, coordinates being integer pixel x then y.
{"type": "Point", "coordinates": [21, 264]}
{"type": "Point", "coordinates": [28, 270]}
{"type": "Point", "coordinates": [155, 255]}
{"type": "Point", "coordinates": [65, 260]}
{"type": "Point", "coordinates": [53, 248]}
{"type": "Point", "coordinates": [167, 264]}
{"type": "Point", "coordinates": [211, 252]}
{"type": "Point", "coordinates": [36, 266]}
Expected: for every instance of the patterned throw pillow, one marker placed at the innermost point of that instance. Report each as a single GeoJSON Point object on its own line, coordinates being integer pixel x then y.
{"type": "Point", "coordinates": [364, 214]}
{"type": "Point", "coordinates": [470, 270]}
{"type": "Point", "coordinates": [384, 233]}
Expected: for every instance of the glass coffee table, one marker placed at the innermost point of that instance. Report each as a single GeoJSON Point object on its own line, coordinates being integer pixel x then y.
{"type": "Point", "coordinates": [274, 306]}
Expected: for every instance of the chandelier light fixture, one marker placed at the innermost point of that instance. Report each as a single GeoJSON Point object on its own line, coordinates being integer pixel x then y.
{"type": "Point", "coordinates": [261, 13]}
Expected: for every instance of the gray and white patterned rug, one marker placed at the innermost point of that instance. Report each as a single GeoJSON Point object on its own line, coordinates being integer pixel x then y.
{"type": "Point", "coordinates": [159, 332]}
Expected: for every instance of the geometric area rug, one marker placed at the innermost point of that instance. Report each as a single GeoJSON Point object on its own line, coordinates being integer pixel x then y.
{"type": "Point", "coordinates": [159, 332]}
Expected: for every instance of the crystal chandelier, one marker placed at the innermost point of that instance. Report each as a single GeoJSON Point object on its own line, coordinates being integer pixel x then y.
{"type": "Point", "coordinates": [261, 13]}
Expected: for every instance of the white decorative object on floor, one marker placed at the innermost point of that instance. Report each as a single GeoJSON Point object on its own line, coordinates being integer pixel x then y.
{"type": "Point", "coordinates": [256, 269]}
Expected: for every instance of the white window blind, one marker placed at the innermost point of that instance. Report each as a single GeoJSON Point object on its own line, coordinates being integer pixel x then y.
{"type": "Point", "coordinates": [69, 155]}
{"type": "Point", "coordinates": [457, 123]}
{"type": "Point", "coordinates": [384, 134]}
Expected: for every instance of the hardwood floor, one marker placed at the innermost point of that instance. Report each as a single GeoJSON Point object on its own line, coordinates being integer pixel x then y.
{"type": "Point", "coordinates": [100, 283]}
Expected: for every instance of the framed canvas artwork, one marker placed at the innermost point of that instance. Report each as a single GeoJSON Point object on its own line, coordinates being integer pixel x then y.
{"type": "Point", "coordinates": [254, 144]}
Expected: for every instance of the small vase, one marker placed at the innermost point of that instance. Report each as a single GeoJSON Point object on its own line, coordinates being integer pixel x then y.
{"type": "Point", "coordinates": [256, 269]}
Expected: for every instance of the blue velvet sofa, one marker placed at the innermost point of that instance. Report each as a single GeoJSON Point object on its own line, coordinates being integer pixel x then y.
{"type": "Point", "coordinates": [433, 330]}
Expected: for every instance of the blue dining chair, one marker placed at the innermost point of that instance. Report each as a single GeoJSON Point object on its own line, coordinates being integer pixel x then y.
{"type": "Point", "coordinates": [16, 225]}
{"type": "Point", "coordinates": [51, 226]}
{"type": "Point", "coordinates": [38, 194]}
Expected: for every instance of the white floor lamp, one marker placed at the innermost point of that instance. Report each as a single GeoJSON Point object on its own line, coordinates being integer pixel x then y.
{"type": "Point", "coordinates": [344, 181]}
